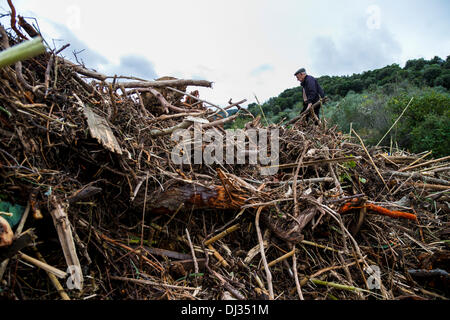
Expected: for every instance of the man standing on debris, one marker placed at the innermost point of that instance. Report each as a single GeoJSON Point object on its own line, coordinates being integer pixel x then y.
{"type": "Point", "coordinates": [312, 91]}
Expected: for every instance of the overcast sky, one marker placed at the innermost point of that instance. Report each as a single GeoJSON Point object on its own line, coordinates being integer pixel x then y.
{"type": "Point", "coordinates": [245, 47]}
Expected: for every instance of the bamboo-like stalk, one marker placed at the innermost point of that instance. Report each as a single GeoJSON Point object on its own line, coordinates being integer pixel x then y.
{"type": "Point", "coordinates": [340, 286]}
{"type": "Point", "coordinates": [53, 278]}
{"type": "Point", "coordinates": [418, 176]}
{"type": "Point", "coordinates": [194, 258]}
{"type": "Point", "coordinates": [395, 122]}
{"type": "Point", "coordinates": [222, 234]}
{"type": "Point", "coordinates": [279, 259]}
{"type": "Point", "coordinates": [21, 51]}
{"type": "Point", "coordinates": [424, 164]}
{"type": "Point", "coordinates": [417, 160]}
{"type": "Point", "coordinates": [315, 162]}
{"type": "Point", "coordinates": [310, 243]}
{"type": "Point", "coordinates": [263, 255]}
{"type": "Point", "coordinates": [59, 273]}
{"type": "Point", "coordinates": [216, 254]}
{"type": "Point", "coordinates": [370, 158]}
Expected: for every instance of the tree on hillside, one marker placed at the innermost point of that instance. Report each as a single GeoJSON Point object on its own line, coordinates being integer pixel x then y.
{"type": "Point", "coordinates": [431, 72]}
{"type": "Point", "coordinates": [415, 64]}
{"type": "Point", "coordinates": [443, 80]}
{"type": "Point", "coordinates": [426, 123]}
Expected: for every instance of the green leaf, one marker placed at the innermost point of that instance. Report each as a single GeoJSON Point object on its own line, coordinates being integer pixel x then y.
{"type": "Point", "coordinates": [5, 111]}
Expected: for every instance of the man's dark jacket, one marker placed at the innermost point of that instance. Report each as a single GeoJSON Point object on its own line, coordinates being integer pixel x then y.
{"type": "Point", "coordinates": [312, 89]}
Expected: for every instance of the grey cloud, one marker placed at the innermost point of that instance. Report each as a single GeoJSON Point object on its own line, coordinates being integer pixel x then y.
{"type": "Point", "coordinates": [90, 58]}
{"type": "Point", "coordinates": [130, 65]}
{"type": "Point", "coordinates": [356, 51]}
{"type": "Point", "coordinates": [134, 65]}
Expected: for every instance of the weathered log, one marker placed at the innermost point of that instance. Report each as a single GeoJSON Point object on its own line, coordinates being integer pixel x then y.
{"type": "Point", "coordinates": [189, 196]}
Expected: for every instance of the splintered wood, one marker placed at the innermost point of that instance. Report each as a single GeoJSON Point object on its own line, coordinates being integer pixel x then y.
{"type": "Point", "coordinates": [100, 130]}
{"type": "Point", "coordinates": [64, 229]}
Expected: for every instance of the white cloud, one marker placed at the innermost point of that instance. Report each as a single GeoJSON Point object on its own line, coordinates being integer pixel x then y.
{"type": "Point", "coordinates": [224, 41]}
{"type": "Point", "coordinates": [357, 49]}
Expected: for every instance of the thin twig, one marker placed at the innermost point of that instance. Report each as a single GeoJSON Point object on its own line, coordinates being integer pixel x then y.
{"type": "Point", "coordinates": [194, 258]}
{"type": "Point", "coordinates": [263, 255]}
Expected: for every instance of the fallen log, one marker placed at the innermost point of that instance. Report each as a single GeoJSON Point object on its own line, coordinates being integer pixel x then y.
{"type": "Point", "coordinates": [190, 196]}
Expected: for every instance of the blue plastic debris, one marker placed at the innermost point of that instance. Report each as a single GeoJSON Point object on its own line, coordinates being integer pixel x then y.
{"type": "Point", "coordinates": [16, 211]}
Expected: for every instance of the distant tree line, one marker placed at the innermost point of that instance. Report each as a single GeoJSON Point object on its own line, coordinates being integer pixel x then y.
{"type": "Point", "coordinates": [374, 99]}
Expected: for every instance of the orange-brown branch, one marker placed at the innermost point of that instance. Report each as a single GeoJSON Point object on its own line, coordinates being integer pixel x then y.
{"type": "Point", "coordinates": [357, 204]}
{"type": "Point", "coordinates": [195, 197]}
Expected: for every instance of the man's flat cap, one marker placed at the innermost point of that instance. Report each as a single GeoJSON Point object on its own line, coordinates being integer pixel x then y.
{"type": "Point", "coordinates": [301, 70]}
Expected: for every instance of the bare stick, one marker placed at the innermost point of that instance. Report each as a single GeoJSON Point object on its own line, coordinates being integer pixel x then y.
{"type": "Point", "coordinates": [136, 84]}
{"type": "Point", "coordinates": [220, 122]}
{"type": "Point", "coordinates": [280, 259]}
{"type": "Point", "coordinates": [42, 265]}
{"type": "Point", "coordinates": [177, 115]}
{"type": "Point", "coordinates": [371, 160]}
{"type": "Point", "coordinates": [161, 132]}
{"type": "Point", "coordinates": [440, 168]}
{"type": "Point", "coordinates": [263, 255]}
{"type": "Point", "coordinates": [47, 73]}
{"type": "Point", "coordinates": [216, 254]}
{"type": "Point", "coordinates": [395, 122]}
{"type": "Point", "coordinates": [63, 227]}
{"type": "Point", "coordinates": [294, 185]}
{"type": "Point", "coordinates": [425, 163]}
{"type": "Point", "coordinates": [4, 43]}
{"type": "Point", "coordinates": [236, 104]}
{"type": "Point", "coordinates": [418, 176]}
{"type": "Point", "coordinates": [297, 282]}
{"type": "Point", "coordinates": [428, 186]}
{"type": "Point", "coordinates": [53, 278]}
{"type": "Point", "coordinates": [222, 234]}
{"type": "Point", "coordinates": [311, 180]}
{"type": "Point", "coordinates": [153, 283]}
{"type": "Point", "coordinates": [192, 251]}
{"type": "Point", "coordinates": [318, 273]}
{"type": "Point", "coordinates": [315, 162]}
{"type": "Point", "coordinates": [335, 179]}
{"type": "Point", "coordinates": [166, 83]}
{"type": "Point", "coordinates": [309, 243]}
{"type": "Point", "coordinates": [166, 105]}
{"type": "Point", "coordinates": [293, 120]}
{"type": "Point", "coordinates": [198, 99]}
{"type": "Point", "coordinates": [417, 160]}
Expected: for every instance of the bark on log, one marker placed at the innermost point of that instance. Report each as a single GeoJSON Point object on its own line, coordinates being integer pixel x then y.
{"type": "Point", "coordinates": [189, 196]}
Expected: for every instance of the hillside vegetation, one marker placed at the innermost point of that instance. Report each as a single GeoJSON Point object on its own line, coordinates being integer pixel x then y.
{"type": "Point", "coordinates": [371, 102]}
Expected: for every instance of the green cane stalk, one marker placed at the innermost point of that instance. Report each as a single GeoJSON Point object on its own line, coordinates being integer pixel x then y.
{"type": "Point", "coordinates": [21, 51]}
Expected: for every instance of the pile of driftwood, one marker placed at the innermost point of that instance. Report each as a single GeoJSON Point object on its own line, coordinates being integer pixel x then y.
{"type": "Point", "coordinates": [107, 214]}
